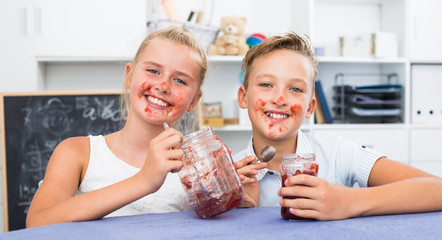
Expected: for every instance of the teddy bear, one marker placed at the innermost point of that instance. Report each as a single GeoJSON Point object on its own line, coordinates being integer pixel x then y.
{"type": "Point", "coordinates": [232, 41]}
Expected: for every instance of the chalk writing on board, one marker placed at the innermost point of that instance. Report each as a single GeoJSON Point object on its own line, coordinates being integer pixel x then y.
{"type": "Point", "coordinates": [35, 125]}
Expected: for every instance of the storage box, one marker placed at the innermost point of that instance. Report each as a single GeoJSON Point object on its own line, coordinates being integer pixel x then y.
{"type": "Point", "coordinates": [213, 122]}
{"type": "Point", "coordinates": [378, 45]}
{"type": "Point", "coordinates": [212, 110]}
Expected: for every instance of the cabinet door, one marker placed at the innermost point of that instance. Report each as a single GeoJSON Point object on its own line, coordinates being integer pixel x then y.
{"type": "Point", "coordinates": [392, 142]}
{"type": "Point", "coordinates": [426, 151]}
{"type": "Point", "coordinates": [425, 31]}
{"type": "Point", "coordinates": [18, 69]}
{"type": "Point", "coordinates": [426, 100]}
{"type": "Point", "coordinates": [98, 28]}
{"type": "Point", "coordinates": [425, 145]}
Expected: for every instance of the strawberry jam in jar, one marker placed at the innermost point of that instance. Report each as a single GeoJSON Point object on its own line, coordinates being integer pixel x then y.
{"type": "Point", "coordinates": [208, 175]}
{"type": "Point", "coordinates": [294, 164]}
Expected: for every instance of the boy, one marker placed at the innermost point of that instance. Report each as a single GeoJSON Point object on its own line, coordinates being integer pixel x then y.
{"type": "Point", "coordinates": [278, 92]}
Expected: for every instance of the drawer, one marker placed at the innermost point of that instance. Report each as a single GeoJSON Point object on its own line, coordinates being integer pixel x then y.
{"type": "Point", "coordinates": [425, 145]}
{"type": "Point", "coordinates": [392, 142]}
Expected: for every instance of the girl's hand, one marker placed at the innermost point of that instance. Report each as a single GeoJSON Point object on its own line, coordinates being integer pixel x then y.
{"type": "Point", "coordinates": [318, 199]}
{"type": "Point", "coordinates": [164, 156]}
{"type": "Point", "coordinates": [247, 174]}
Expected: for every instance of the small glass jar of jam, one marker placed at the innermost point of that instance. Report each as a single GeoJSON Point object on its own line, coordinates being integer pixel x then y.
{"type": "Point", "coordinates": [294, 164]}
{"type": "Point", "coordinates": [208, 175]}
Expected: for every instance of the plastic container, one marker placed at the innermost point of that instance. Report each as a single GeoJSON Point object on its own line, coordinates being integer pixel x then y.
{"type": "Point", "coordinates": [294, 164]}
{"type": "Point", "coordinates": [208, 175]}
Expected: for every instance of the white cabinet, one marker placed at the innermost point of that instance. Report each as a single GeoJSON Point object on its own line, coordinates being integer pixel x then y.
{"type": "Point", "coordinates": [425, 149]}
{"type": "Point", "coordinates": [425, 32]}
{"type": "Point", "coordinates": [89, 28]}
{"type": "Point", "coordinates": [18, 68]}
{"type": "Point", "coordinates": [426, 145]}
{"type": "Point", "coordinates": [392, 141]}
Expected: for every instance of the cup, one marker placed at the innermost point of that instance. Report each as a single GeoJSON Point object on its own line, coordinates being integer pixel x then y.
{"type": "Point", "coordinates": [294, 164]}
{"type": "Point", "coordinates": [208, 175]}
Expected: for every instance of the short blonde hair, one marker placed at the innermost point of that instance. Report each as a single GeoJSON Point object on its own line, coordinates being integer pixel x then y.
{"type": "Point", "coordinates": [290, 41]}
{"type": "Point", "coordinates": [177, 35]}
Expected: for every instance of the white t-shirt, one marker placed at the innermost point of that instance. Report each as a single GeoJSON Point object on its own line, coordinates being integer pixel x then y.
{"type": "Point", "coordinates": [105, 169]}
{"type": "Point", "coordinates": [340, 161]}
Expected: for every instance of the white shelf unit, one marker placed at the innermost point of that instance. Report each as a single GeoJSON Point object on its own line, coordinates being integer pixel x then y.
{"type": "Point", "coordinates": [324, 21]}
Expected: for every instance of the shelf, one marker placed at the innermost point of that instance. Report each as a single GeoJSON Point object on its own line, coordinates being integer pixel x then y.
{"type": "Point", "coordinates": [83, 59]}
{"type": "Point", "coordinates": [225, 58]}
{"type": "Point", "coordinates": [323, 59]}
{"type": "Point", "coordinates": [426, 126]}
{"type": "Point", "coordinates": [358, 126]}
{"type": "Point", "coordinates": [232, 128]}
{"type": "Point", "coordinates": [352, 126]}
{"type": "Point", "coordinates": [426, 62]}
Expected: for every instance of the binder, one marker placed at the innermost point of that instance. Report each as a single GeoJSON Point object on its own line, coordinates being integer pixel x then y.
{"type": "Point", "coordinates": [319, 113]}
{"type": "Point", "coordinates": [426, 97]}
{"type": "Point", "coordinates": [323, 102]}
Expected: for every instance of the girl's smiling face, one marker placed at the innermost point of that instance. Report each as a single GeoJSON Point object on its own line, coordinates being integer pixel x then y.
{"type": "Point", "coordinates": [165, 81]}
{"type": "Point", "coordinates": [279, 95]}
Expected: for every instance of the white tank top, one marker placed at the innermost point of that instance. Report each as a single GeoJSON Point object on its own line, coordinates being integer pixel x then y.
{"type": "Point", "coordinates": [105, 169]}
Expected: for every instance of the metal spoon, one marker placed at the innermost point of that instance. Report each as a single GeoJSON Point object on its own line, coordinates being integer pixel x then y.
{"type": "Point", "coordinates": [266, 154]}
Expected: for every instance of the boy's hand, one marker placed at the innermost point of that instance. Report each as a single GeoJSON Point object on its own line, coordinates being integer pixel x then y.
{"type": "Point", "coordinates": [247, 174]}
{"type": "Point", "coordinates": [317, 198]}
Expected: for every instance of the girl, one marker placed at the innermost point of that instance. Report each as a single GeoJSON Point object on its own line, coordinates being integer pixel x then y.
{"type": "Point", "coordinates": [278, 92]}
{"type": "Point", "coordinates": [132, 170]}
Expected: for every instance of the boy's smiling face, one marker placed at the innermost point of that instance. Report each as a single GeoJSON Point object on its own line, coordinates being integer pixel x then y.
{"type": "Point", "coordinates": [279, 95]}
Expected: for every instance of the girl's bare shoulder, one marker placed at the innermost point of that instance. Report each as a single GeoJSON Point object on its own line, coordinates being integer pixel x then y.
{"type": "Point", "coordinates": [75, 148]}
{"type": "Point", "coordinates": [74, 143]}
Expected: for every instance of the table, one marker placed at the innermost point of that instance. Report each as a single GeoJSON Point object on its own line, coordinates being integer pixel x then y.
{"type": "Point", "coordinates": [249, 223]}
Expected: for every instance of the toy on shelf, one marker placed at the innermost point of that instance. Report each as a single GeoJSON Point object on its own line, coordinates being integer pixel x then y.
{"type": "Point", "coordinates": [255, 39]}
{"type": "Point", "coordinates": [232, 41]}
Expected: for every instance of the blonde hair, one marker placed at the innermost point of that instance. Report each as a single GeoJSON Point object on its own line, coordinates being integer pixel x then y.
{"type": "Point", "coordinates": [177, 35]}
{"type": "Point", "coordinates": [290, 41]}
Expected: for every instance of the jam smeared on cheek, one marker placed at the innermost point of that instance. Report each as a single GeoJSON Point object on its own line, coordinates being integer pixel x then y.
{"type": "Point", "coordinates": [145, 86]}
{"type": "Point", "coordinates": [295, 110]}
{"type": "Point", "coordinates": [259, 105]}
{"type": "Point", "coordinates": [178, 97]}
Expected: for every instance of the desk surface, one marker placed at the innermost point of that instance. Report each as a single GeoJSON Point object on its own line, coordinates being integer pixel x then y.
{"type": "Point", "coordinates": [251, 223]}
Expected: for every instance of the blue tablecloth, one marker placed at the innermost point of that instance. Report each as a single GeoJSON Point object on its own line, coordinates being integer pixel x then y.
{"type": "Point", "coordinates": [251, 223]}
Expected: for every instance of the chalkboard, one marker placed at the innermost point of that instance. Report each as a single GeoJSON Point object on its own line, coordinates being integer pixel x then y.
{"type": "Point", "coordinates": [32, 126]}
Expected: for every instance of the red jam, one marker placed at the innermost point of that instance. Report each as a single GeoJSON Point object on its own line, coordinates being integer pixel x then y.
{"type": "Point", "coordinates": [308, 167]}
{"type": "Point", "coordinates": [208, 175]}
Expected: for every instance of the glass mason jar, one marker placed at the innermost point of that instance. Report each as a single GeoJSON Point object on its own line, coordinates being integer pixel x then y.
{"type": "Point", "coordinates": [208, 175]}
{"type": "Point", "coordinates": [294, 164]}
